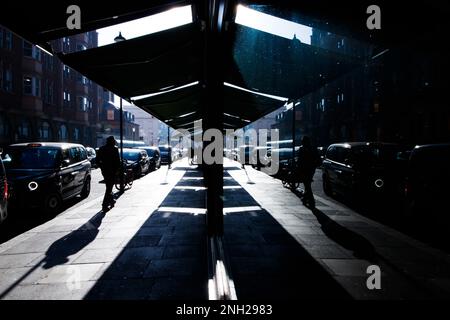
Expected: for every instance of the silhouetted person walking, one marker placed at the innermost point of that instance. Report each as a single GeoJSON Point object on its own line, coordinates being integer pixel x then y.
{"type": "Point", "coordinates": [108, 160]}
{"type": "Point", "coordinates": [308, 160]}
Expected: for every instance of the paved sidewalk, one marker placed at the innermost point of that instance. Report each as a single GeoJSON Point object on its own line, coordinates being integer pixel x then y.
{"type": "Point", "coordinates": [151, 245]}
{"type": "Point", "coordinates": [342, 242]}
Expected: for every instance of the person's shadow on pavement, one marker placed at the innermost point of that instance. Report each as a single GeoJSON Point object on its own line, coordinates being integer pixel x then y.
{"type": "Point", "coordinates": [60, 251]}
{"type": "Point", "coordinates": [361, 247]}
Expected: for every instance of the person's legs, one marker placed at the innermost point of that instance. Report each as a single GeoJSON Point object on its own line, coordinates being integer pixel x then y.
{"type": "Point", "coordinates": [308, 196]}
{"type": "Point", "coordinates": [108, 198]}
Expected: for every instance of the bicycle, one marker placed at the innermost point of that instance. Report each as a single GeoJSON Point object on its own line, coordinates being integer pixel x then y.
{"type": "Point", "coordinates": [290, 177]}
{"type": "Point", "coordinates": [128, 178]}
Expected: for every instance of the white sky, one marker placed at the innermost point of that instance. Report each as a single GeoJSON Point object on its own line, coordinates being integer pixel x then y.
{"type": "Point", "coordinates": [158, 22]}
{"type": "Point", "coordinates": [277, 26]}
{"type": "Point", "coordinates": [183, 15]}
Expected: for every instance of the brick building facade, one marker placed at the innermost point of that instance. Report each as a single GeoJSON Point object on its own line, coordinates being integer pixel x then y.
{"type": "Point", "coordinates": [41, 99]}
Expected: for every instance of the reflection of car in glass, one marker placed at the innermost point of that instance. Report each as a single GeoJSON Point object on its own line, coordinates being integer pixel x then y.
{"type": "Point", "coordinates": [260, 156]}
{"type": "Point", "coordinates": [3, 193]}
{"type": "Point", "coordinates": [46, 174]}
{"type": "Point", "coordinates": [166, 154]}
{"type": "Point", "coordinates": [228, 153]}
{"type": "Point", "coordinates": [360, 168]}
{"type": "Point", "coordinates": [234, 153]}
{"type": "Point", "coordinates": [91, 154]}
{"type": "Point", "coordinates": [138, 160]}
{"type": "Point", "coordinates": [154, 156]}
{"type": "Point", "coordinates": [130, 143]}
{"type": "Point", "coordinates": [427, 182]}
{"type": "Point", "coordinates": [283, 156]}
{"type": "Point", "coordinates": [321, 152]}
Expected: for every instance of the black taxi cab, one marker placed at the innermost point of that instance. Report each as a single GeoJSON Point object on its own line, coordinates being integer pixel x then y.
{"type": "Point", "coordinates": [44, 174]}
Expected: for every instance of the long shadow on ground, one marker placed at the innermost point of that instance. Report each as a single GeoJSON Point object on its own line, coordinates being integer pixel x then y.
{"type": "Point", "coordinates": [166, 258]}
{"type": "Point", "coordinates": [266, 261]}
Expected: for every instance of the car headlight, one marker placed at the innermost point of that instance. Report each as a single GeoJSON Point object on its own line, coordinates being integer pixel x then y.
{"type": "Point", "coordinates": [33, 185]}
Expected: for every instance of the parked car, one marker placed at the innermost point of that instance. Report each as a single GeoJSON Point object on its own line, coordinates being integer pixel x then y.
{"type": "Point", "coordinates": [138, 160]}
{"type": "Point", "coordinates": [363, 168]}
{"type": "Point", "coordinates": [130, 143]}
{"type": "Point", "coordinates": [46, 174]}
{"type": "Point", "coordinates": [227, 153]}
{"type": "Point", "coordinates": [166, 154]}
{"type": "Point", "coordinates": [92, 155]}
{"type": "Point", "coordinates": [154, 156]}
{"type": "Point", "coordinates": [321, 152]}
{"type": "Point", "coordinates": [427, 182]}
{"type": "Point", "coordinates": [282, 157]}
{"type": "Point", "coordinates": [235, 154]}
{"type": "Point", "coordinates": [3, 193]}
{"type": "Point", "coordinates": [260, 156]}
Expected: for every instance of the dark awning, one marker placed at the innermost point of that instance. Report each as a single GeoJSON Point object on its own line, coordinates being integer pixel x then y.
{"type": "Point", "coordinates": [155, 63]}
{"type": "Point", "coordinates": [182, 107]}
{"type": "Point", "coordinates": [259, 61]}
{"type": "Point", "coordinates": [143, 65]}
{"type": "Point", "coordinates": [42, 21]}
{"type": "Point", "coordinates": [177, 108]}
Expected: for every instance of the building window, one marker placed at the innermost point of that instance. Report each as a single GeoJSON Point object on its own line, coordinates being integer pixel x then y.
{"type": "Point", "coordinates": [66, 44]}
{"type": "Point", "coordinates": [23, 130]}
{"type": "Point", "coordinates": [8, 80]}
{"type": "Point", "coordinates": [48, 62]}
{"type": "Point", "coordinates": [45, 133]}
{"type": "Point", "coordinates": [27, 49]}
{"type": "Point", "coordinates": [5, 77]}
{"type": "Point", "coordinates": [8, 40]}
{"type": "Point", "coordinates": [63, 134]}
{"type": "Point", "coordinates": [4, 126]}
{"type": "Point", "coordinates": [66, 72]}
{"type": "Point", "coordinates": [32, 86]}
{"type": "Point", "coordinates": [76, 134]}
{"type": "Point", "coordinates": [66, 96]}
{"type": "Point", "coordinates": [83, 103]}
{"type": "Point", "coordinates": [81, 79]}
{"type": "Point", "coordinates": [31, 51]}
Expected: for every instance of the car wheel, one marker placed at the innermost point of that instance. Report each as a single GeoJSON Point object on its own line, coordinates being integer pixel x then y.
{"type": "Point", "coordinates": [327, 186]}
{"type": "Point", "coordinates": [52, 203]}
{"type": "Point", "coordinates": [86, 188]}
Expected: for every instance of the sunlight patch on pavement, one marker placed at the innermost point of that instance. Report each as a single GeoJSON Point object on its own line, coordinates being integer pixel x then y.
{"type": "Point", "coordinates": [194, 211]}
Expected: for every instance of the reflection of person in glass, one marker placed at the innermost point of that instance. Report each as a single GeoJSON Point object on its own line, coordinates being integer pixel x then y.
{"type": "Point", "coordinates": [108, 160]}
{"type": "Point", "coordinates": [169, 154]}
{"type": "Point", "coordinates": [308, 160]}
